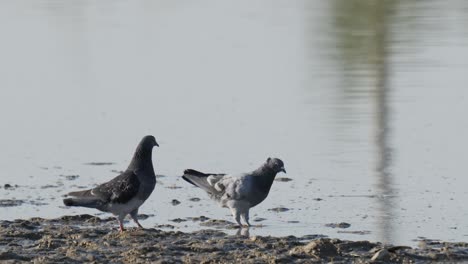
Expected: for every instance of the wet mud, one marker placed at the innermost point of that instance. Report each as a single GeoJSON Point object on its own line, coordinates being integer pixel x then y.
{"type": "Point", "coordinates": [283, 179]}
{"type": "Point", "coordinates": [10, 202]}
{"type": "Point", "coordinates": [86, 238]}
{"type": "Point", "coordinates": [94, 163]}
{"type": "Point", "coordinates": [338, 225]}
{"type": "Point", "coordinates": [175, 202]}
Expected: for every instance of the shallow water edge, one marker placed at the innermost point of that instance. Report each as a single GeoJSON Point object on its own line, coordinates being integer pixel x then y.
{"type": "Point", "coordinates": [86, 238]}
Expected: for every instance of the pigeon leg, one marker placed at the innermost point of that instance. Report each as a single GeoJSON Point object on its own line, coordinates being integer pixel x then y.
{"type": "Point", "coordinates": [121, 227]}
{"type": "Point", "coordinates": [134, 216]}
{"type": "Point", "coordinates": [245, 217]}
{"type": "Point", "coordinates": [236, 214]}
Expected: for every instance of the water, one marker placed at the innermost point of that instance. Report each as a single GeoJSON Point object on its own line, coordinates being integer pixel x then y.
{"type": "Point", "coordinates": [365, 101]}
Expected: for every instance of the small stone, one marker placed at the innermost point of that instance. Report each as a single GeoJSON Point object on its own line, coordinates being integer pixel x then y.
{"type": "Point", "coordinates": [381, 255]}
{"type": "Point", "coordinates": [323, 247]}
{"type": "Point", "coordinates": [175, 202]}
{"type": "Point", "coordinates": [90, 257]}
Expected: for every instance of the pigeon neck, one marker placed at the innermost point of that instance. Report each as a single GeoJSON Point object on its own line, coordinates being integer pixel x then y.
{"type": "Point", "coordinates": [141, 159]}
{"type": "Point", "coordinates": [265, 177]}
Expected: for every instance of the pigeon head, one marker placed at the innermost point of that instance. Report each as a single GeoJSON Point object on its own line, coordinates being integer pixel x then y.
{"type": "Point", "coordinates": [276, 165]}
{"type": "Point", "coordinates": [142, 156]}
{"type": "Point", "coordinates": [148, 142]}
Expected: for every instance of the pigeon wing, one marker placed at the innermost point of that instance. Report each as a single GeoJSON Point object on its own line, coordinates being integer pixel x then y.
{"type": "Point", "coordinates": [236, 187]}
{"type": "Point", "coordinates": [121, 189]}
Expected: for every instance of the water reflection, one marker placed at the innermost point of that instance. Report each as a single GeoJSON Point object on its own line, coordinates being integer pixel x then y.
{"type": "Point", "coordinates": [363, 40]}
{"type": "Point", "coordinates": [382, 130]}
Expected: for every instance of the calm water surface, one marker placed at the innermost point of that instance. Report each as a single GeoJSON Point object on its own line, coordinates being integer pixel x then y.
{"type": "Point", "coordinates": [365, 101]}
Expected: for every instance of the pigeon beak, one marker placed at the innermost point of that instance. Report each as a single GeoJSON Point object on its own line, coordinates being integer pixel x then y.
{"type": "Point", "coordinates": [156, 144]}
{"type": "Point", "coordinates": [283, 169]}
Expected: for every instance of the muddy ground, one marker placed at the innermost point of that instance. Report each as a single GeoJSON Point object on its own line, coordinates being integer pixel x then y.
{"type": "Point", "coordinates": [86, 238]}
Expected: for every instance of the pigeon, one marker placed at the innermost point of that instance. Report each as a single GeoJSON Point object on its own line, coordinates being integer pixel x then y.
{"type": "Point", "coordinates": [125, 193]}
{"type": "Point", "coordinates": [241, 192]}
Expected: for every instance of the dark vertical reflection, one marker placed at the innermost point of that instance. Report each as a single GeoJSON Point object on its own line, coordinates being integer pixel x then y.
{"type": "Point", "coordinates": [363, 37]}
{"type": "Point", "coordinates": [384, 150]}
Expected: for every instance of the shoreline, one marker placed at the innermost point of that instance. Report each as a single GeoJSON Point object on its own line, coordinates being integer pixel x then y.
{"type": "Point", "coordinates": [86, 238]}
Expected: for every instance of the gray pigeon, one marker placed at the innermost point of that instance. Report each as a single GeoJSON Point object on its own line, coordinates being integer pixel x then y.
{"type": "Point", "coordinates": [125, 193]}
{"type": "Point", "coordinates": [241, 192]}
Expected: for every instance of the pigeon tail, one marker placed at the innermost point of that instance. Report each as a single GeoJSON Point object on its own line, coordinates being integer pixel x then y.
{"type": "Point", "coordinates": [190, 175]}
{"type": "Point", "coordinates": [201, 180]}
{"type": "Point", "coordinates": [83, 194]}
{"type": "Point", "coordinates": [83, 202]}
